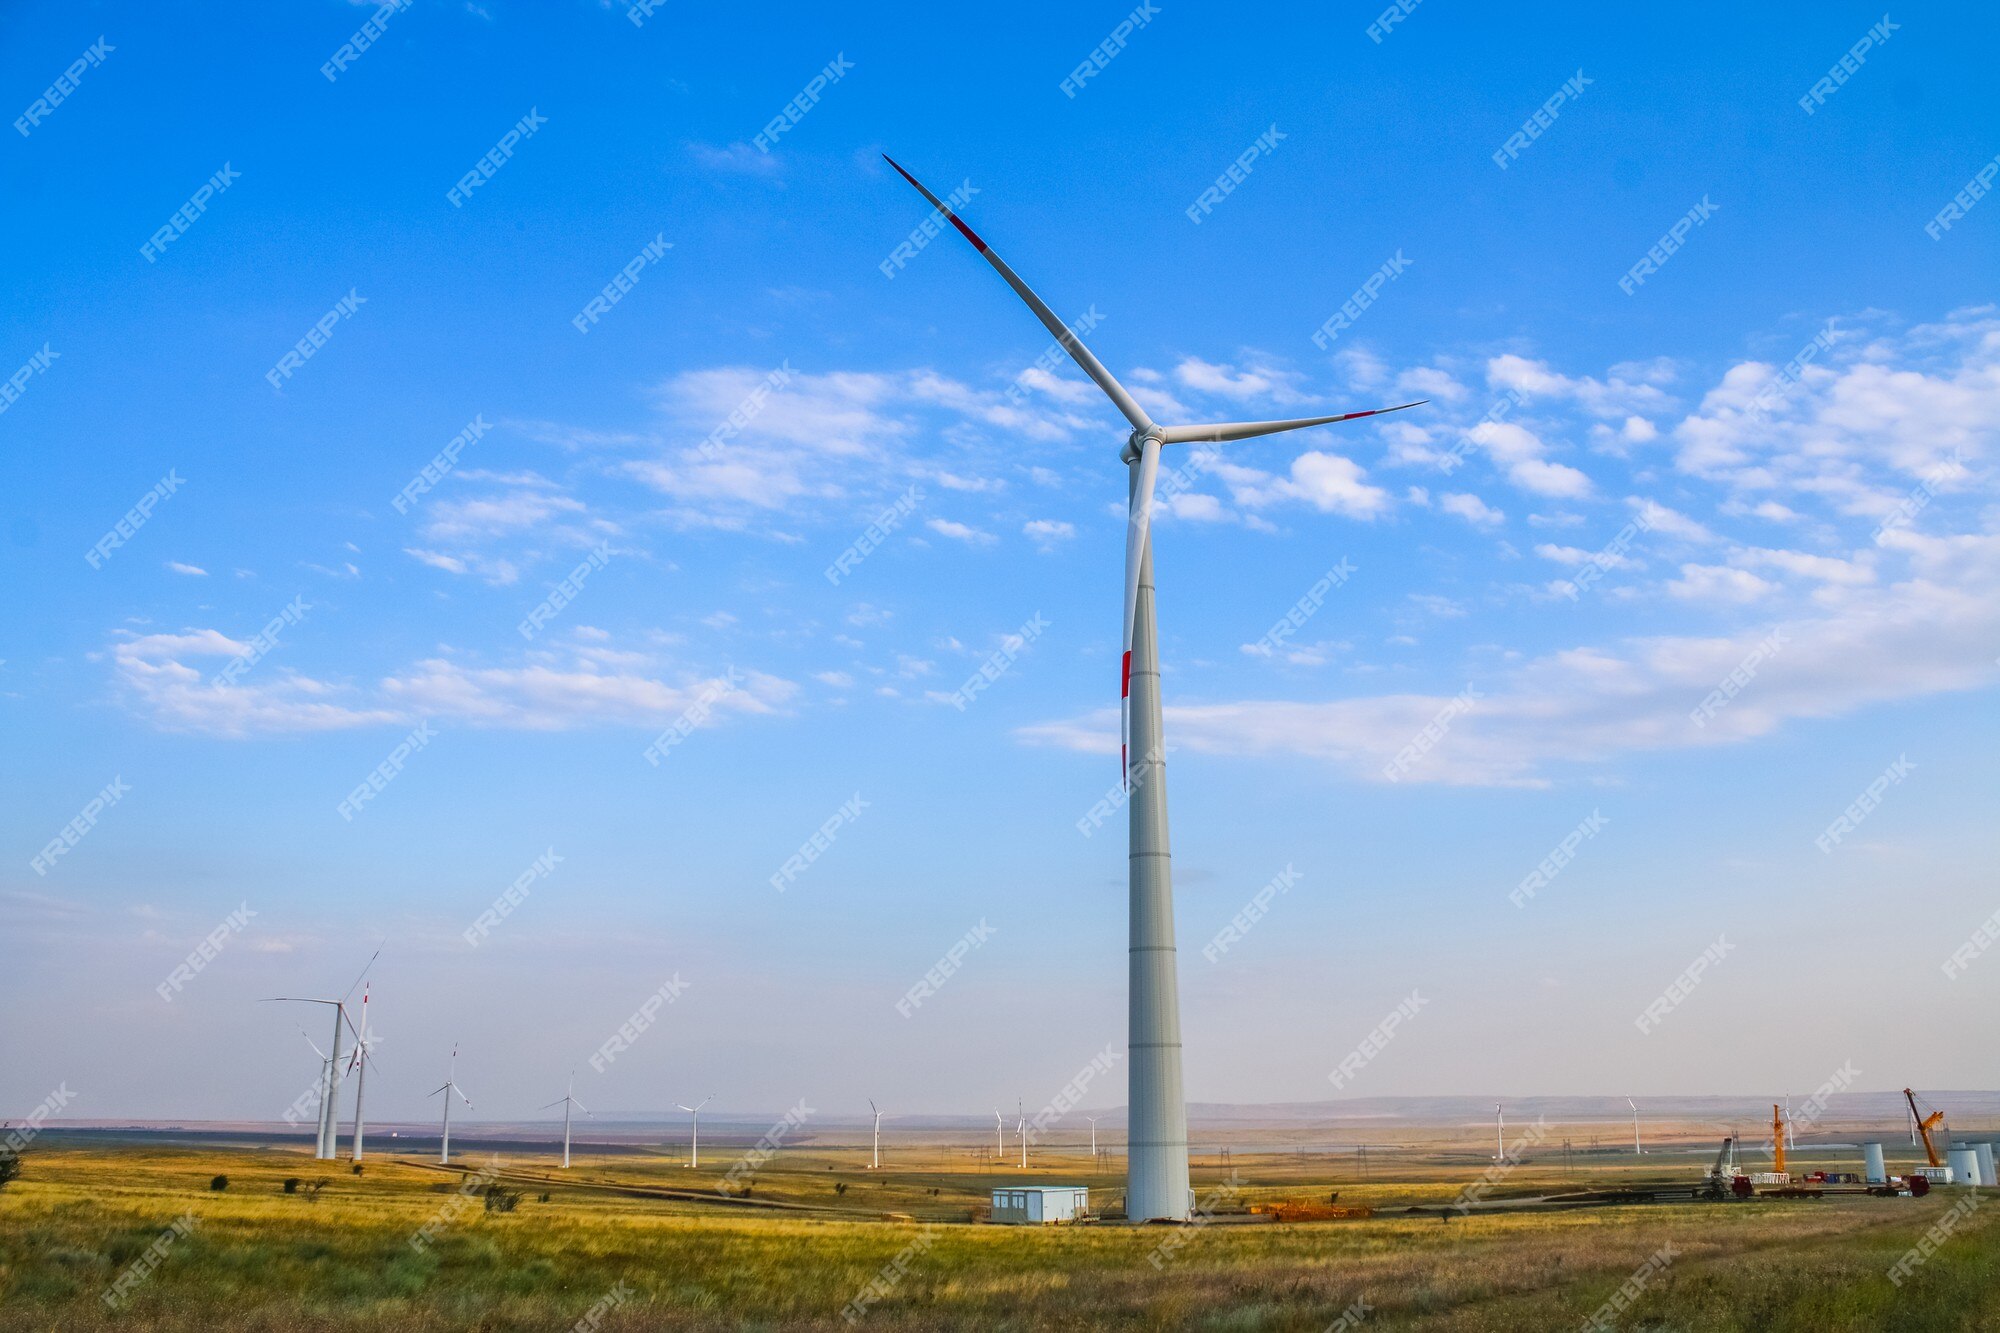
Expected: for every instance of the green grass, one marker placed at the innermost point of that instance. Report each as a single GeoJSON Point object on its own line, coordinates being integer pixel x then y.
{"type": "Point", "coordinates": [262, 1259]}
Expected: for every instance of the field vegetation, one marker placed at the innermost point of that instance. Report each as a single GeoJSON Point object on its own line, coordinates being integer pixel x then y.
{"type": "Point", "coordinates": [640, 1242]}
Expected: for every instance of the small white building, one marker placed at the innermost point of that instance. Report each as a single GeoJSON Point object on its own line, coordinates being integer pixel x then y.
{"type": "Point", "coordinates": [1036, 1205]}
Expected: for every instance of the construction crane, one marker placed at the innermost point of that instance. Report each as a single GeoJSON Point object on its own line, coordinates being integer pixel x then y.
{"type": "Point", "coordinates": [1925, 1124]}
{"type": "Point", "coordinates": [1777, 1139]}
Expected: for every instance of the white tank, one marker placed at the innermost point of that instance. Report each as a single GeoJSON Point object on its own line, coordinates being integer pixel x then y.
{"type": "Point", "coordinates": [1964, 1164]}
{"type": "Point", "coordinates": [1985, 1153]}
{"type": "Point", "coordinates": [1875, 1172]}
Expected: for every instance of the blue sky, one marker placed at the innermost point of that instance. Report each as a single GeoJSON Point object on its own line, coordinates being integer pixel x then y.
{"type": "Point", "coordinates": [1847, 506]}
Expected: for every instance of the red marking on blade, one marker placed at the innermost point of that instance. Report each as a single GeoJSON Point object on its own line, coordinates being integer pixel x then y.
{"type": "Point", "coordinates": [1125, 685]}
{"type": "Point", "coordinates": [966, 231]}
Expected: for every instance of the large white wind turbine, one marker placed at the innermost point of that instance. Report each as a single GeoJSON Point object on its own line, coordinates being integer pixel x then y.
{"type": "Point", "coordinates": [1156, 1142]}
{"type": "Point", "coordinates": [329, 1114]}
{"type": "Point", "coordinates": [450, 1090]}
{"type": "Point", "coordinates": [1636, 1149]}
{"type": "Point", "coordinates": [999, 1138]}
{"type": "Point", "coordinates": [875, 1163]}
{"type": "Point", "coordinates": [568, 1100]}
{"type": "Point", "coordinates": [1093, 1119]}
{"type": "Point", "coordinates": [1021, 1128]}
{"type": "Point", "coordinates": [694, 1145]}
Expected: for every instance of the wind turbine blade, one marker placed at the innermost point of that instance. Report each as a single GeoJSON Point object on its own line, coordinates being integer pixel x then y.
{"type": "Point", "coordinates": [1137, 527]}
{"type": "Point", "coordinates": [462, 1097]}
{"type": "Point", "coordinates": [581, 1107]}
{"type": "Point", "coordinates": [293, 999]}
{"type": "Point", "coordinates": [557, 1102]}
{"type": "Point", "coordinates": [364, 971]}
{"type": "Point", "coordinates": [435, 1091]}
{"type": "Point", "coordinates": [1072, 344]}
{"type": "Point", "coordinates": [1223, 431]}
{"type": "Point", "coordinates": [315, 1045]}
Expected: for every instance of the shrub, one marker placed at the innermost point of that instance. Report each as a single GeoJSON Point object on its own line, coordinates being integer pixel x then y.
{"type": "Point", "coordinates": [291, 1184]}
{"type": "Point", "coordinates": [501, 1200]}
{"type": "Point", "coordinates": [10, 1166]}
{"type": "Point", "coordinates": [219, 1184]}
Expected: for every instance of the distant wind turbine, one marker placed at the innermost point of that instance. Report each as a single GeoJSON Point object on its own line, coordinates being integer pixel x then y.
{"type": "Point", "coordinates": [1499, 1133]}
{"type": "Point", "coordinates": [1636, 1149]}
{"type": "Point", "coordinates": [999, 1138]}
{"type": "Point", "coordinates": [876, 1163]}
{"type": "Point", "coordinates": [364, 1055]}
{"type": "Point", "coordinates": [568, 1100]}
{"type": "Point", "coordinates": [1022, 1129]}
{"type": "Point", "coordinates": [329, 1114]}
{"type": "Point", "coordinates": [450, 1090]}
{"type": "Point", "coordinates": [1156, 1134]}
{"type": "Point", "coordinates": [694, 1147]}
{"type": "Point", "coordinates": [1093, 1119]}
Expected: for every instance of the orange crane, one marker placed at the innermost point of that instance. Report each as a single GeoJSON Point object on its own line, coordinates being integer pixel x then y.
{"type": "Point", "coordinates": [1778, 1139]}
{"type": "Point", "coordinates": [1925, 1124]}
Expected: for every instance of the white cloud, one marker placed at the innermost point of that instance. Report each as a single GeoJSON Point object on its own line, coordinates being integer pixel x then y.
{"type": "Point", "coordinates": [958, 532]}
{"type": "Point", "coordinates": [1519, 453]}
{"type": "Point", "coordinates": [1328, 482]}
{"type": "Point", "coordinates": [738, 159]}
{"type": "Point", "coordinates": [1472, 509]}
{"type": "Point", "coordinates": [1931, 633]}
{"type": "Point", "coordinates": [156, 675]}
{"type": "Point", "coordinates": [1256, 380]}
{"type": "Point", "coordinates": [1719, 583]}
{"type": "Point", "coordinates": [1048, 533]}
{"type": "Point", "coordinates": [563, 697]}
{"type": "Point", "coordinates": [195, 570]}
{"type": "Point", "coordinates": [436, 559]}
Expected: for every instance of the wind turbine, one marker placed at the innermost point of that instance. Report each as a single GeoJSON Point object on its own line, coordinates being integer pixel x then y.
{"type": "Point", "coordinates": [364, 1056]}
{"type": "Point", "coordinates": [1499, 1133]}
{"type": "Point", "coordinates": [1021, 1128]}
{"type": "Point", "coordinates": [329, 1115]}
{"type": "Point", "coordinates": [694, 1148]}
{"type": "Point", "coordinates": [1791, 1139]}
{"type": "Point", "coordinates": [568, 1100]}
{"type": "Point", "coordinates": [876, 1163]}
{"type": "Point", "coordinates": [999, 1138]}
{"type": "Point", "coordinates": [325, 1067]}
{"type": "Point", "coordinates": [1636, 1149]}
{"type": "Point", "coordinates": [1156, 1143]}
{"type": "Point", "coordinates": [1093, 1119]}
{"type": "Point", "coordinates": [450, 1090]}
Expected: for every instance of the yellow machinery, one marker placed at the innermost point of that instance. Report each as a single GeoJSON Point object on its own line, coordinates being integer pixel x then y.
{"type": "Point", "coordinates": [1777, 1139]}
{"type": "Point", "coordinates": [1925, 1124]}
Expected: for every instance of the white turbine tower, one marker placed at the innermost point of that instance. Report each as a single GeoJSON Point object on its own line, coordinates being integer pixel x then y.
{"type": "Point", "coordinates": [450, 1090]}
{"type": "Point", "coordinates": [325, 1071]}
{"type": "Point", "coordinates": [1636, 1149]}
{"type": "Point", "coordinates": [568, 1100]}
{"type": "Point", "coordinates": [1093, 1119]}
{"type": "Point", "coordinates": [694, 1147]}
{"type": "Point", "coordinates": [875, 1164]}
{"type": "Point", "coordinates": [328, 1146]}
{"type": "Point", "coordinates": [1021, 1128]}
{"type": "Point", "coordinates": [999, 1138]}
{"type": "Point", "coordinates": [364, 1056]}
{"type": "Point", "coordinates": [1156, 1140]}
{"type": "Point", "coordinates": [1499, 1134]}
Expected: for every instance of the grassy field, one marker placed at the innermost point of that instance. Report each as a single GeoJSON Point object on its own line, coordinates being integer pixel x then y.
{"type": "Point", "coordinates": [648, 1239]}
